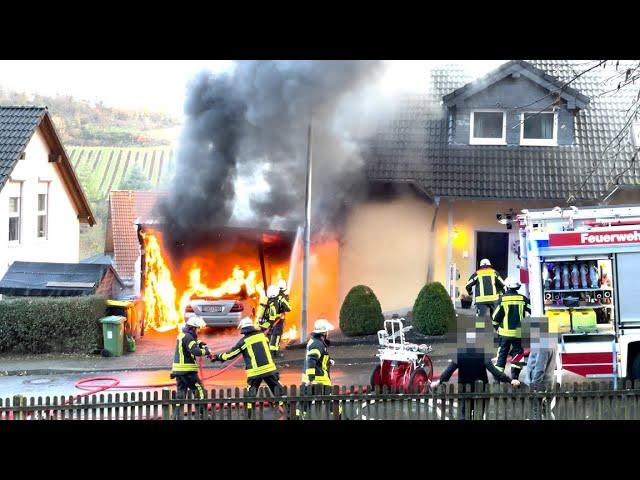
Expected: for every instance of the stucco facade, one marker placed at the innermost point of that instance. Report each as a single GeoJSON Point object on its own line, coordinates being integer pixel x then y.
{"type": "Point", "coordinates": [31, 176]}
{"type": "Point", "coordinates": [385, 245]}
{"type": "Point", "coordinates": [388, 245]}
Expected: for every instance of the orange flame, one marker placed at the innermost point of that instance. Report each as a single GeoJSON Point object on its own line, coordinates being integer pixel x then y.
{"type": "Point", "coordinates": [159, 292]}
{"type": "Point", "coordinates": [164, 306]}
{"type": "Point", "coordinates": [291, 334]}
{"type": "Point", "coordinates": [168, 288]}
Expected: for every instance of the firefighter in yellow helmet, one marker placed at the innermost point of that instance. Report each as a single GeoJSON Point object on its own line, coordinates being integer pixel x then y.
{"type": "Point", "coordinates": [488, 286]}
{"type": "Point", "coordinates": [507, 320]}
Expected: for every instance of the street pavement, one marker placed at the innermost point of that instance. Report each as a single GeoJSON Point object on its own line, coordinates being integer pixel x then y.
{"type": "Point", "coordinates": [150, 364]}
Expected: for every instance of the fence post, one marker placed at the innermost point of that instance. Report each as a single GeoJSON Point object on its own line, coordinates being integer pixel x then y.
{"type": "Point", "coordinates": [335, 413]}
{"type": "Point", "coordinates": [166, 408]}
{"type": "Point", "coordinates": [19, 401]}
{"type": "Point", "coordinates": [478, 402]}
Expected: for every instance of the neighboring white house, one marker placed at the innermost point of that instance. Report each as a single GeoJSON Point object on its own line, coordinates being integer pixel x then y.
{"type": "Point", "coordinates": [41, 201]}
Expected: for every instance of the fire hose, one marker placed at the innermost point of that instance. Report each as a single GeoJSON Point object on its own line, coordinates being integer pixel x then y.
{"type": "Point", "coordinates": [95, 389]}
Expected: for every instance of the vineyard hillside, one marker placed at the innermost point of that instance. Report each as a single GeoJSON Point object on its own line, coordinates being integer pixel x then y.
{"type": "Point", "coordinates": [109, 166]}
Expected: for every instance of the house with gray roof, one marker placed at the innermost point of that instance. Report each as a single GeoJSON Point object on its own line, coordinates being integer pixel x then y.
{"type": "Point", "coordinates": [457, 162]}
{"type": "Point", "coordinates": [41, 201]}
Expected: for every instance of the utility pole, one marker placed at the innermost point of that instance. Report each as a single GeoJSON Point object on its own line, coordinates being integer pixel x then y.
{"type": "Point", "coordinates": [307, 241]}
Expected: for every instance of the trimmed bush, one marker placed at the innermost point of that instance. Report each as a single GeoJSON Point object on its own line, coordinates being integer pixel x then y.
{"type": "Point", "coordinates": [433, 311]}
{"type": "Point", "coordinates": [51, 324]}
{"type": "Point", "coordinates": [361, 313]}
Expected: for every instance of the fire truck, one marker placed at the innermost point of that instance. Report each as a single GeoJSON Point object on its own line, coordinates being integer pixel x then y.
{"type": "Point", "coordinates": [580, 268]}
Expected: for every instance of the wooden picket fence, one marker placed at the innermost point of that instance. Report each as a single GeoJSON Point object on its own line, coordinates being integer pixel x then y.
{"type": "Point", "coordinates": [576, 401]}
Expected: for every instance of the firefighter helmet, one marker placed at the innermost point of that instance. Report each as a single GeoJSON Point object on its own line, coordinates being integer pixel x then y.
{"type": "Point", "coordinates": [512, 283]}
{"type": "Point", "coordinates": [282, 284]}
{"type": "Point", "coordinates": [485, 262]}
{"type": "Point", "coordinates": [272, 291]}
{"type": "Point", "coordinates": [322, 326]}
{"type": "Point", "coordinates": [196, 321]}
{"type": "Point", "coordinates": [245, 322]}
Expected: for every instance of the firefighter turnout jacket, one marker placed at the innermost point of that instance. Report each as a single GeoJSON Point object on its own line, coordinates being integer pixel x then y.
{"type": "Point", "coordinates": [187, 349]}
{"type": "Point", "coordinates": [282, 303]}
{"type": "Point", "coordinates": [507, 318]}
{"type": "Point", "coordinates": [254, 348]}
{"type": "Point", "coordinates": [488, 285]}
{"type": "Point", "coordinates": [316, 364]}
{"type": "Point", "coordinates": [267, 313]}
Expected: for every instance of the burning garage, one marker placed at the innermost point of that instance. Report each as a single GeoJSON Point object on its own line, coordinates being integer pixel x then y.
{"type": "Point", "coordinates": [220, 275]}
{"type": "Point", "coordinates": [224, 263]}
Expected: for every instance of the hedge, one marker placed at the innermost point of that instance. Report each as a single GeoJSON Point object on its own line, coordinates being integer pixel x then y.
{"type": "Point", "coordinates": [52, 324]}
{"type": "Point", "coordinates": [361, 313]}
{"type": "Point", "coordinates": [433, 312]}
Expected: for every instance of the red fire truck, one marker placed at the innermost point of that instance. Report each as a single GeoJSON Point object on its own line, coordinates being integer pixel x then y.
{"type": "Point", "coordinates": [581, 268]}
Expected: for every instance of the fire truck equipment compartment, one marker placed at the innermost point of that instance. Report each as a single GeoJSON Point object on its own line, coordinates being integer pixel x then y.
{"type": "Point", "coordinates": [584, 321]}
{"type": "Point", "coordinates": [559, 321]}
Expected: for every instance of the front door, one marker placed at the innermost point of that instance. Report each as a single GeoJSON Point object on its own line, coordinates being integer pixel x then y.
{"type": "Point", "coordinates": [495, 247]}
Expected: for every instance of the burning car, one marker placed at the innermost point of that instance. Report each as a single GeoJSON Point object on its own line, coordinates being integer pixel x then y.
{"type": "Point", "coordinates": [226, 311]}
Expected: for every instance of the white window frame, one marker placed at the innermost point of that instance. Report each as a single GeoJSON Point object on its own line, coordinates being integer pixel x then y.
{"type": "Point", "coordinates": [43, 189]}
{"type": "Point", "coordinates": [488, 141]}
{"type": "Point", "coordinates": [538, 142]}
{"type": "Point", "coordinates": [17, 215]}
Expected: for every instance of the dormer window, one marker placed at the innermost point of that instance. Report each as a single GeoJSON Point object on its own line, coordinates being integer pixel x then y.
{"type": "Point", "coordinates": [488, 127]}
{"type": "Point", "coordinates": [539, 128]}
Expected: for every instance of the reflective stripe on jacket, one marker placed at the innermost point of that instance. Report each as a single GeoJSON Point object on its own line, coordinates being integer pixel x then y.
{"type": "Point", "coordinates": [509, 314]}
{"type": "Point", "coordinates": [187, 349]}
{"type": "Point", "coordinates": [254, 348]}
{"type": "Point", "coordinates": [488, 285]}
{"type": "Point", "coordinates": [316, 364]}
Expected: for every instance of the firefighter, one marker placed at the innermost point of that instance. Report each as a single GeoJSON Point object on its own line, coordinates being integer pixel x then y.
{"type": "Point", "coordinates": [317, 363]}
{"type": "Point", "coordinates": [282, 306]}
{"type": "Point", "coordinates": [258, 362]}
{"type": "Point", "coordinates": [185, 366]}
{"type": "Point", "coordinates": [507, 321]}
{"type": "Point", "coordinates": [488, 286]}
{"type": "Point", "coordinates": [267, 313]}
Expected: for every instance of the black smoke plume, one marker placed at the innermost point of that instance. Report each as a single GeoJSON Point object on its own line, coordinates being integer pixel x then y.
{"type": "Point", "coordinates": [251, 124]}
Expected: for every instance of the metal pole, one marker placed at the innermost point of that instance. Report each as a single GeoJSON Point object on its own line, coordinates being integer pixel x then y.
{"type": "Point", "coordinates": [264, 271]}
{"type": "Point", "coordinates": [307, 241]}
{"type": "Point", "coordinates": [450, 277]}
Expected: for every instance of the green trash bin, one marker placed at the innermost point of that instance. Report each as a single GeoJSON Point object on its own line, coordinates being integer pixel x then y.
{"type": "Point", "coordinates": [113, 334]}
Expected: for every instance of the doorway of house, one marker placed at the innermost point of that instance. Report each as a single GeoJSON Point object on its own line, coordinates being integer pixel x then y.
{"type": "Point", "coordinates": [495, 247]}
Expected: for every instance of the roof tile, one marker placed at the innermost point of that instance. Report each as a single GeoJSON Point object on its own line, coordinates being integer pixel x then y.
{"type": "Point", "coordinates": [521, 172]}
